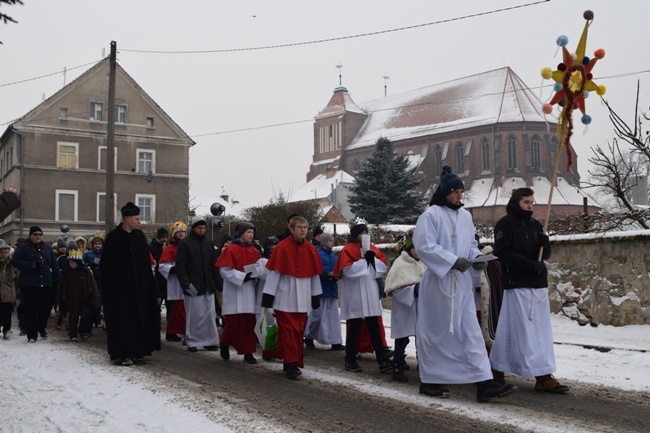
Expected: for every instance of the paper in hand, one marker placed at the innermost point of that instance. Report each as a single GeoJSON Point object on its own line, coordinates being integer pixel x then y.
{"type": "Point", "coordinates": [483, 259]}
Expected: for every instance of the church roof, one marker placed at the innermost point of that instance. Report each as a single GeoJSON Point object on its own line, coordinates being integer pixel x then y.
{"type": "Point", "coordinates": [496, 96]}
{"type": "Point", "coordinates": [340, 103]}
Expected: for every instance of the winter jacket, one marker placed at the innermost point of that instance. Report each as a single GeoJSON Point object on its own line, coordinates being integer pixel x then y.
{"type": "Point", "coordinates": [77, 288]}
{"type": "Point", "coordinates": [328, 283]}
{"type": "Point", "coordinates": [37, 265]}
{"type": "Point", "coordinates": [92, 259]}
{"type": "Point", "coordinates": [517, 240]}
{"type": "Point", "coordinates": [195, 263]}
{"type": "Point", "coordinates": [8, 277]}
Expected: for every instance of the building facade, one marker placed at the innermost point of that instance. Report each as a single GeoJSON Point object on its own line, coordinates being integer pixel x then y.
{"type": "Point", "coordinates": [488, 127]}
{"type": "Point", "coordinates": [56, 156]}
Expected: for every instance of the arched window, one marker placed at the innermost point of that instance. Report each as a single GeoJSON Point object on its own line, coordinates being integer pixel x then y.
{"type": "Point", "coordinates": [512, 153]}
{"type": "Point", "coordinates": [535, 153]}
{"type": "Point", "coordinates": [485, 155]}
{"type": "Point", "coordinates": [438, 161]}
{"type": "Point", "coordinates": [460, 158]}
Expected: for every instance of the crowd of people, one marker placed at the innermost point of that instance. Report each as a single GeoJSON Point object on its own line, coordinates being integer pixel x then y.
{"type": "Point", "coordinates": [215, 296]}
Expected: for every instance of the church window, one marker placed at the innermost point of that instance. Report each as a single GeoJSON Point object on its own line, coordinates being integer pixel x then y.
{"type": "Point", "coordinates": [485, 155]}
{"type": "Point", "coordinates": [512, 153]}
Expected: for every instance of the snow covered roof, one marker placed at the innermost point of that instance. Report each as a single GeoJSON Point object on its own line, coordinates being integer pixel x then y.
{"type": "Point", "coordinates": [201, 205]}
{"type": "Point", "coordinates": [321, 186]}
{"type": "Point", "coordinates": [340, 103]}
{"type": "Point", "coordinates": [484, 192]}
{"type": "Point", "coordinates": [491, 97]}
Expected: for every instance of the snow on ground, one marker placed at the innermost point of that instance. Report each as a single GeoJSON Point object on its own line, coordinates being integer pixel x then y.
{"type": "Point", "coordinates": [58, 387]}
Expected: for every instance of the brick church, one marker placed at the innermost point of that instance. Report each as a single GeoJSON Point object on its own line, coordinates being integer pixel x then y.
{"type": "Point", "coordinates": [488, 127]}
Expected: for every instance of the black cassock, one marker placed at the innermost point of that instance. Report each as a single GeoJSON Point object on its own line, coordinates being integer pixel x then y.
{"type": "Point", "coordinates": [131, 310]}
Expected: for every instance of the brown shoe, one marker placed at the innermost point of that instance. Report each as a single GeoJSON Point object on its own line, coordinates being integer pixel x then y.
{"type": "Point", "coordinates": [550, 384]}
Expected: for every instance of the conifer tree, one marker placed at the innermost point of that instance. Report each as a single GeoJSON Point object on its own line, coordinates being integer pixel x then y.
{"type": "Point", "coordinates": [384, 189]}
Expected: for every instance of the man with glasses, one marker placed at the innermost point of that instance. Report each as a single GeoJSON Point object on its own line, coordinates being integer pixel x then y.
{"type": "Point", "coordinates": [38, 281]}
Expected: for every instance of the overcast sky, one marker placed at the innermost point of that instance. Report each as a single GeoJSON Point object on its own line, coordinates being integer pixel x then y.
{"type": "Point", "coordinates": [221, 99]}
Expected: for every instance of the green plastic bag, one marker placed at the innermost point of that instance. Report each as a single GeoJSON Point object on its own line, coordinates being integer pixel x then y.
{"type": "Point", "coordinates": [266, 330]}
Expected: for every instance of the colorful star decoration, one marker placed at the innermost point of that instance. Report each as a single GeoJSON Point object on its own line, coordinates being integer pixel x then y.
{"type": "Point", "coordinates": [573, 82]}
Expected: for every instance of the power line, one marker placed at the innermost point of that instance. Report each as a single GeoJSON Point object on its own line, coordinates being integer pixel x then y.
{"type": "Point", "coordinates": [47, 75]}
{"type": "Point", "coordinates": [340, 38]}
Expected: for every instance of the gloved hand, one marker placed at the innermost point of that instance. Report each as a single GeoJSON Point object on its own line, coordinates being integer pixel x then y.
{"type": "Point", "coordinates": [248, 277]}
{"type": "Point", "coordinates": [315, 302]}
{"type": "Point", "coordinates": [370, 257]}
{"type": "Point", "coordinates": [172, 270]}
{"type": "Point", "coordinates": [481, 266]}
{"type": "Point", "coordinates": [267, 300]}
{"type": "Point", "coordinates": [540, 268]}
{"type": "Point", "coordinates": [544, 242]}
{"type": "Point", "coordinates": [461, 264]}
{"type": "Point", "coordinates": [332, 277]}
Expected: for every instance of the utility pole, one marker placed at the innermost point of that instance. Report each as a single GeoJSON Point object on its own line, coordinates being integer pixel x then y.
{"type": "Point", "coordinates": [110, 143]}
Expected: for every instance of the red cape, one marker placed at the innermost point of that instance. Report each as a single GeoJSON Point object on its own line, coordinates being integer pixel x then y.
{"type": "Point", "coordinates": [294, 259]}
{"type": "Point", "coordinates": [351, 253]}
{"type": "Point", "coordinates": [238, 255]}
{"type": "Point", "coordinates": [169, 253]}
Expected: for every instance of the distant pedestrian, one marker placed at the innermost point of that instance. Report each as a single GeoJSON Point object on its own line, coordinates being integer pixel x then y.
{"type": "Point", "coordinates": [8, 279]}
{"type": "Point", "coordinates": [176, 318]}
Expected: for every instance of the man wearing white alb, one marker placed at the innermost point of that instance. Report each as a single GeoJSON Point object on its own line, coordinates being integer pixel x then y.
{"type": "Point", "coordinates": [449, 342]}
{"type": "Point", "coordinates": [524, 340]}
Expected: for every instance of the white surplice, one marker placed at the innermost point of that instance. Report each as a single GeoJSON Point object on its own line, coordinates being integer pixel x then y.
{"type": "Point", "coordinates": [359, 290]}
{"type": "Point", "coordinates": [449, 342]}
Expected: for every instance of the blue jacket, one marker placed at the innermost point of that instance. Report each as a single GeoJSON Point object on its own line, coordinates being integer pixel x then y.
{"type": "Point", "coordinates": [37, 265]}
{"type": "Point", "coordinates": [329, 284]}
{"type": "Point", "coordinates": [92, 259]}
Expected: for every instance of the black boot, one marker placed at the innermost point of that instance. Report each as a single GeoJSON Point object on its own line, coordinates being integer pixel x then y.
{"type": "Point", "coordinates": [488, 389]}
{"type": "Point", "coordinates": [309, 343]}
{"type": "Point", "coordinates": [434, 390]}
{"type": "Point", "coordinates": [385, 365]}
{"type": "Point", "coordinates": [398, 373]}
{"type": "Point", "coordinates": [351, 363]}
{"type": "Point", "coordinates": [292, 371]}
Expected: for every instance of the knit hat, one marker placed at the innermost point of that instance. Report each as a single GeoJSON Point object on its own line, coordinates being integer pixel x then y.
{"type": "Point", "coordinates": [449, 182]}
{"type": "Point", "coordinates": [60, 243]}
{"type": "Point", "coordinates": [161, 233]}
{"type": "Point", "coordinates": [4, 245]}
{"type": "Point", "coordinates": [177, 227]}
{"type": "Point", "coordinates": [325, 238]}
{"type": "Point", "coordinates": [72, 246]}
{"type": "Point", "coordinates": [242, 227]}
{"type": "Point", "coordinates": [318, 231]}
{"type": "Point", "coordinates": [200, 221]}
{"type": "Point", "coordinates": [130, 209]}
{"type": "Point", "coordinates": [96, 240]}
{"type": "Point", "coordinates": [34, 229]}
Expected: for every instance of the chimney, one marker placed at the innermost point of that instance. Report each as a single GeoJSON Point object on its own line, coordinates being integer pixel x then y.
{"type": "Point", "coordinates": [329, 171]}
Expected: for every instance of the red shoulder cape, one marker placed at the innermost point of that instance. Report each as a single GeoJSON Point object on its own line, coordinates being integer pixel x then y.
{"type": "Point", "coordinates": [298, 260]}
{"type": "Point", "coordinates": [169, 253]}
{"type": "Point", "coordinates": [238, 255]}
{"type": "Point", "coordinates": [351, 253]}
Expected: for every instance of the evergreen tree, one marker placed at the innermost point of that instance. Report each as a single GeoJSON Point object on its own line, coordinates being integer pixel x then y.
{"type": "Point", "coordinates": [384, 189]}
{"type": "Point", "coordinates": [6, 18]}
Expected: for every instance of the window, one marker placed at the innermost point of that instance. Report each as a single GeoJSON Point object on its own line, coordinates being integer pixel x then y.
{"type": "Point", "coordinates": [149, 122]}
{"type": "Point", "coordinates": [63, 113]}
{"type": "Point", "coordinates": [485, 155]}
{"type": "Point", "coordinates": [101, 207]}
{"type": "Point", "coordinates": [96, 111]}
{"type": "Point", "coordinates": [67, 155]}
{"type": "Point", "coordinates": [535, 153]}
{"type": "Point", "coordinates": [460, 158]}
{"type": "Point", "coordinates": [512, 153]}
{"type": "Point", "coordinates": [120, 114]}
{"type": "Point", "coordinates": [146, 161]}
{"type": "Point", "coordinates": [66, 205]}
{"type": "Point", "coordinates": [438, 160]}
{"type": "Point", "coordinates": [101, 158]}
{"type": "Point", "coordinates": [147, 205]}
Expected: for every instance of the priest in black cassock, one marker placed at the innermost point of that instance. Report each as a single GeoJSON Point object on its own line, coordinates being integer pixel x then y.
{"type": "Point", "coordinates": [131, 309]}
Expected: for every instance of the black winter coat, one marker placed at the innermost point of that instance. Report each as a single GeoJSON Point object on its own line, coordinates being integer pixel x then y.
{"type": "Point", "coordinates": [37, 265]}
{"type": "Point", "coordinates": [195, 260]}
{"type": "Point", "coordinates": [517, 239]}
{"type": "Point", "coordinates": [130, 295]}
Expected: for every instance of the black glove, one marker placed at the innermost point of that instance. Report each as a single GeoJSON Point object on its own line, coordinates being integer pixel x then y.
{"type": "Point", "coordinates": [540, 268]}
{"type": "Point", "coordinates": [315, 302]}
{"type": "Point", "coordinates": [248, 277]}
{"type": "Point", "coordinates": [267, 300]}
{"type": "Point", "coordinates": [461, 264]}
{"type": "Point", "coordinates": [332, 278]}
{"type": "Point", "coordinates": [370, 257]}
{"type": "Point", "coordinates": [480, 266]}
{"type": "Point", "coordinates": [544, 242]}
